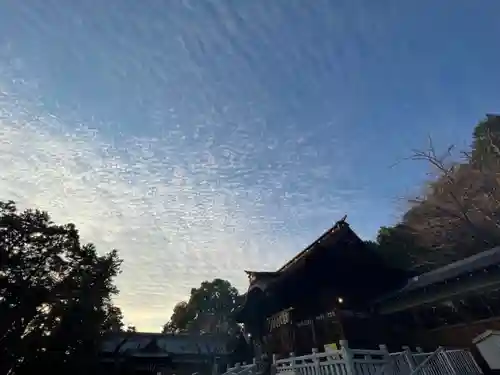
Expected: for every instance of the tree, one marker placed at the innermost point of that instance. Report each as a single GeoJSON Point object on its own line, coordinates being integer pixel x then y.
{"type": "Point", "coordinates": [458, 212]}
{"type": "Point", "coordinates": [398, 248]}
{"type": "Point", "coordinates": [114, 318]}
{"type": "Point", "coordinates": [55, 295]}
{"type": "Point", "coordinates": [131, 329]}
{"type": "Point", "coordinates": [180, 319]}
{"type": "Point", "coordinates": [485, 149]}
{"type": "Point", "coordinates": [210, 309]}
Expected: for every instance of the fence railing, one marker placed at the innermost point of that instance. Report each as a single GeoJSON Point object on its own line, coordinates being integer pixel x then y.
{"type": "Point", "coordinates": [347, 361]}
{"type": "Point", "coordinates": [242, 369]}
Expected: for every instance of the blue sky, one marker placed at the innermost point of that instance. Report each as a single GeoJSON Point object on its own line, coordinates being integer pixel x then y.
{"type": "Point", "coordinates": [201, 138]}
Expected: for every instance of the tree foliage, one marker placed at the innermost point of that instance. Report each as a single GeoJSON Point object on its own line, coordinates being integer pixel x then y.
{"type": "Point", "coordinates": [209, 309]}
{"type": "Point", "coordinates": [398, 248]}
{"type": "Point", "coordinates": [55, 295]}
{"type": "Point", "coordinates": [131, 329]}
{"type": "Point", "coordinates": [458, 212]}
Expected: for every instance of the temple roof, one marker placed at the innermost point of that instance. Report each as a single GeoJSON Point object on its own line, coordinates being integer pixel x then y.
{"type": "Point", "coordinates": [167, 343]}
{"type": "Point", "coordinates": [308, 250]}
{"type": "Point", "coordinates": [262, 278]}
{"type": "Point", "coordinates": [262, 274]}
{"type": "Point", "coordinates": [453, 270]}
{"type": "Point", "coordinates": [334, 261]}
{"type": "Point", "coordinates": [472, 275]}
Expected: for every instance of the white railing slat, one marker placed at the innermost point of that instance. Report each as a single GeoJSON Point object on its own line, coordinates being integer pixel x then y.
{"type": "Point", "coordinates": [348, 361]}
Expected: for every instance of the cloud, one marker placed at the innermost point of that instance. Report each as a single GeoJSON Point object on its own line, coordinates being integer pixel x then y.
{"type": "Point", "coordinates": [173, 216]}
{"type": "Point", "coordinates": [171, 237]}
{"type": "Point", "coordinates": [213, 188]}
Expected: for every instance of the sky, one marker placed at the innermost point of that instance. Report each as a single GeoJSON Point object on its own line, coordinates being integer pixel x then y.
{"type": "Point", "coordinates": [202, 138]}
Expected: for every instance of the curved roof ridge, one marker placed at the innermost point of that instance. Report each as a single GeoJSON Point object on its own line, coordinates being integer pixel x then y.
{"type": "Point", "coordinates": [334, 229]}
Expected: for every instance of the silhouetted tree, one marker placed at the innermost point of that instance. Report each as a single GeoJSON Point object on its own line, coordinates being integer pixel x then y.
{"type": "Point", "coordinates": [210, 309]}
{"type": "Point", "coordinates": [114, 318]}
{"type": "Point", "coordinates": [398, 248]}
{"type": "Point", "coordinates": [131, 329]}
{"type": "Point", "coordinates": [55, 295]}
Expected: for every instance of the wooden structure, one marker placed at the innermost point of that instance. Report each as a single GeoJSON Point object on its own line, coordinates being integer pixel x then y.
{"type": "Point", "coordinates": [319, 297]}
{"type": "Point", "coordinates": [448, 306]}
{"type": "Point", "coordinates": [339, 289]}
{"type": "Point", "coordinates": [153, 353]}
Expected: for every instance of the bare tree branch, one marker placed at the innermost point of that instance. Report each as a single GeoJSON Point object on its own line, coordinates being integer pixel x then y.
{"type": "Point", "coordinates": [461, 208]}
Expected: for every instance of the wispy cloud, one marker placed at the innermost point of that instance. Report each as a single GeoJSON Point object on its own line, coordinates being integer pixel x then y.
{"type": "Point", "coordinates": [176, 217]}
{"type": "Point", "coordinates": [219, 158]}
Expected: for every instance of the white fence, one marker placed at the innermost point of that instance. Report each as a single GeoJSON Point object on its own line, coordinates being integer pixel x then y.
{"type": "Point", "coordinates": [348, 361]}
{"type": "Point", "coordinates": [244, 369]}
{"type": "Point", "coordinates": [440, 362]}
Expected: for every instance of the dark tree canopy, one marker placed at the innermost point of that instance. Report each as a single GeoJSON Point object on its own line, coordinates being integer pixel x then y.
{"type": "Point", "coordinates": [458, 213]}
{"type": "Point", "coordinates": [210, 309]}
{"type": "Point", "coordinates": [485, 149]}
{"type": "Point", "coordinates": [398, 248]}
{"type": "Point", "coordinates": [55, 295]}
{"type": "Point", "coordinates": [131, 329]}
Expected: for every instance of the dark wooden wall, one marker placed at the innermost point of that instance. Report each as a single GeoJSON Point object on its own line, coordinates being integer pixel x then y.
{"type": "Point", "coordinates": [459, 335]}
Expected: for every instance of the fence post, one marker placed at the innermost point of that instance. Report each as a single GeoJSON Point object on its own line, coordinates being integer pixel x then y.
{"type": "Point", "coordinates": [422, 365]}
{"type": "Point", "coordinates": [316, 361]}
{"type": "Point", "coordinates": [348, 357]}
{"type": "Point", "coordinates": [274, 369]}
{"type": "Point", "coordinates": [387, 356]}
{"type": "Point", "coordinates": [409, 357]}
{"type": "Point", "coordinates": [292, 361]}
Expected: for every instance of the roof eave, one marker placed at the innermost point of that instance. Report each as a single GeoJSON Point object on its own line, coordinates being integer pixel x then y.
{"type": "Point", "coordinates": [339, 225]}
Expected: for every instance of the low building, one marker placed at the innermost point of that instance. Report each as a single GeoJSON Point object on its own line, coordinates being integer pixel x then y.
{"type": "Point", "coordinates": [156, 353]}
{"type": "Point", "coordinates": [449, 306]}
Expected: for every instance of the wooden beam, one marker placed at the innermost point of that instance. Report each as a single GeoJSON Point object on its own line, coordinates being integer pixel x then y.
{"type": "Point", "coordinates": [475, 283]}
{"type": "Point", "coordinates": [313, 328]}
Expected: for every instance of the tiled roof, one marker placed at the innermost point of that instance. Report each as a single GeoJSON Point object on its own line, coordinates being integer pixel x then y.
{"type": "Point", "coordinates": [471, 264]}
{"type": "Point", "coordinates": [446, 273]}
{"type": "Point", "coordinates": [261, 279]}
{"type": "Point", "coordinates": [173, 344]}
{"type": "Point", "coordinates": [335, 230]}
